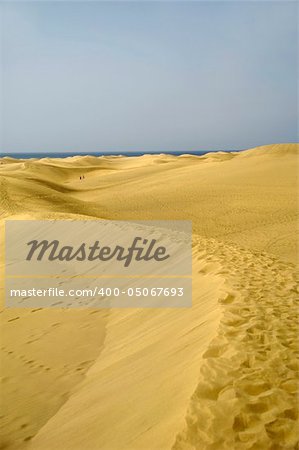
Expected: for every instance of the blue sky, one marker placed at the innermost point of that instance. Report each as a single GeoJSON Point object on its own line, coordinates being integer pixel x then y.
{"type": "Point", "coordinates": [148, 76]}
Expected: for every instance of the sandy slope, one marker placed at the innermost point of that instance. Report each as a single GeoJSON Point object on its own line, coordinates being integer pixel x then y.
{"type": "Point", "coordinates": [44, 354]}
{"type": "Point", "coordinates": [221, 375]}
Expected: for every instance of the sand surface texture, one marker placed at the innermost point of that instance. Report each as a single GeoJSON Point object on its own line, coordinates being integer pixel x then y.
{"type": "Point", "coordinates": [220, 375]}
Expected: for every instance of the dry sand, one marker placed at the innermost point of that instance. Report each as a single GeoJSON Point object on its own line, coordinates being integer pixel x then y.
{"type": "Point", "coordinates": [220, 375]}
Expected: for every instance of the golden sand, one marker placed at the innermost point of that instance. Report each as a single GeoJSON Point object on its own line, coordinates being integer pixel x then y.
{"type": "Point", "coordinates": [220, 375]}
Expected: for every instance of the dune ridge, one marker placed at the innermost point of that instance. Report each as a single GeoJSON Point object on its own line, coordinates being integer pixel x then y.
{"type": "Point", "coordinates": [221, 375]}
{"type": "Point", "coordinates": [142, 349]}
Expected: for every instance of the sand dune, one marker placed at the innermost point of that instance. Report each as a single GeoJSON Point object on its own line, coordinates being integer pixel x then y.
{"type": "Point", "coordinates": [220, 375]}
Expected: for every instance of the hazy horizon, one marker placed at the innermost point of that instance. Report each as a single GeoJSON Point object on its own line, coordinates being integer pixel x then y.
{"type": "Point", "coordinates": [147, 77]}
{"type": "Point", "coordinates": [133, 152]}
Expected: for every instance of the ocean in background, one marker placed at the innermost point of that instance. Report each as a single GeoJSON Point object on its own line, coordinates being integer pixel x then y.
{"type": "Point", "coordinates": [68, 154]}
